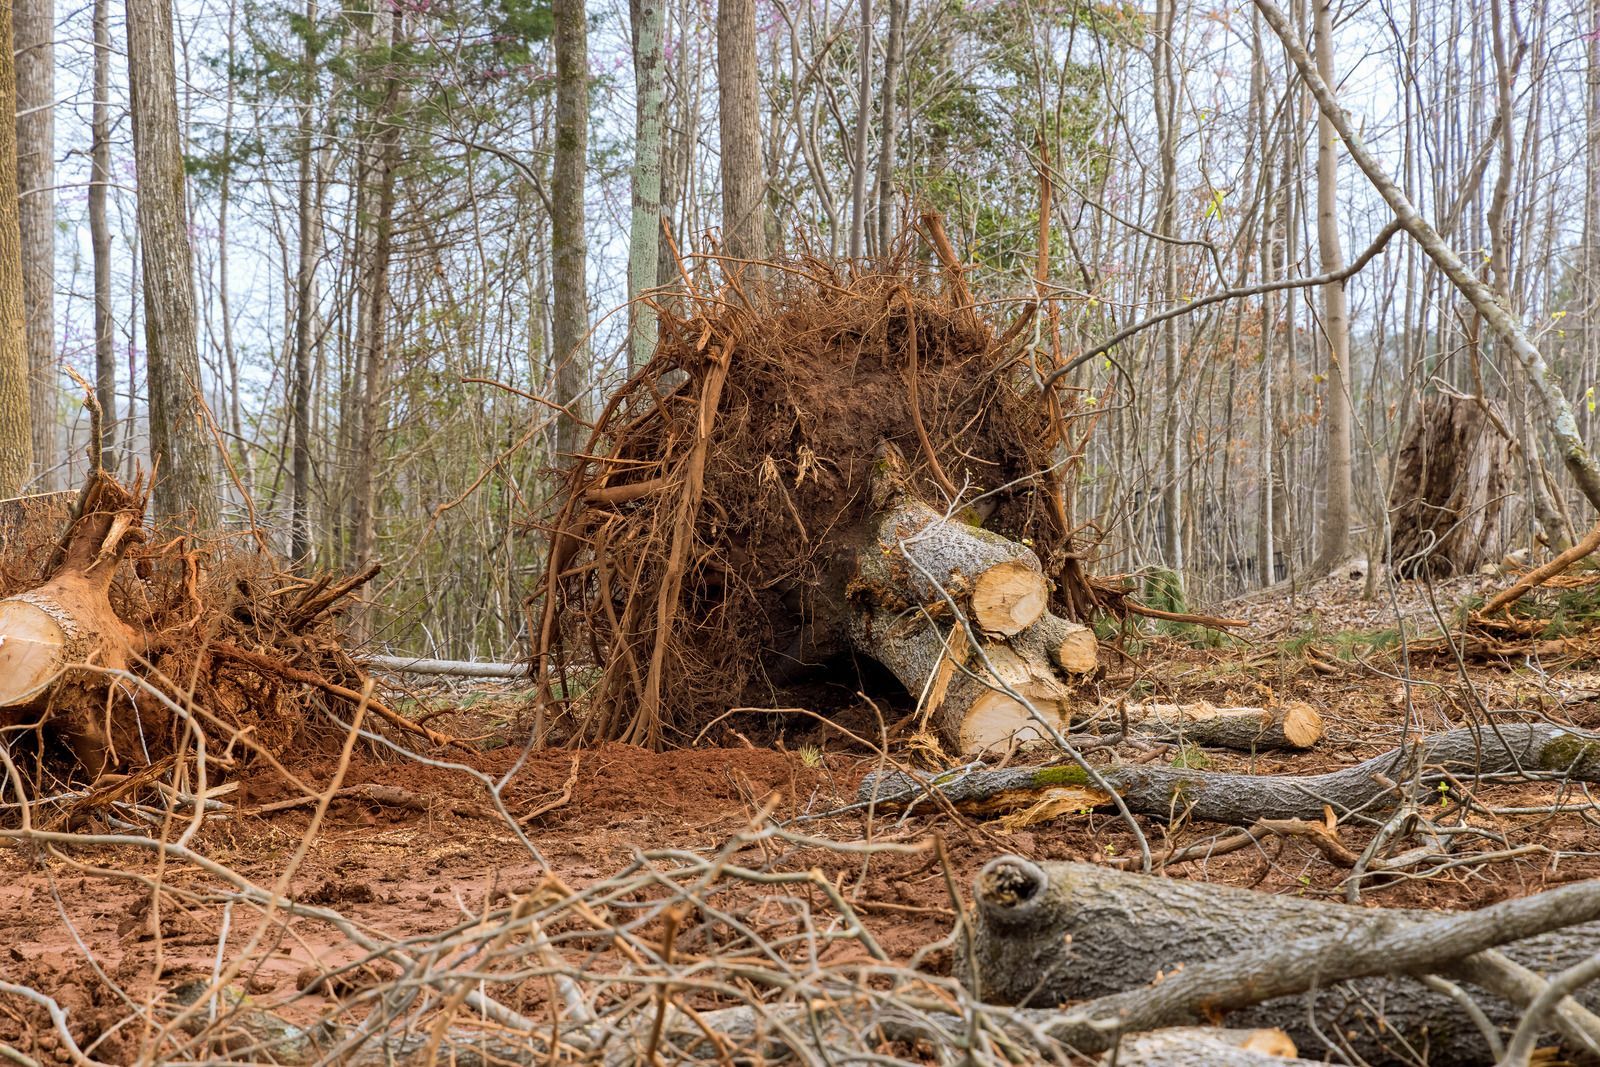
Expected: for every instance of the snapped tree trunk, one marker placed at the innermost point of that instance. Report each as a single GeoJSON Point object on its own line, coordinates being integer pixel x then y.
{"type": "Point", "coordinates": [1453, 481]}
{"type": "Point", "coordinates": [1044, 934]}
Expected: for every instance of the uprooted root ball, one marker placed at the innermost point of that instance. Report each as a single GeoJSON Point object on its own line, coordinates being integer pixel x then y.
{"type": "Point", "coordinates": [697, 559]}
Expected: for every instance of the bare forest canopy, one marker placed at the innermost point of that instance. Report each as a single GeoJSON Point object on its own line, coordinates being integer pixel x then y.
{"type": "Point", "coordinates": [404, 254]}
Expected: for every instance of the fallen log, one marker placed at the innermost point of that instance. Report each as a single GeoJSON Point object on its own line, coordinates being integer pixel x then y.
{"type": "Point", "coordinates": [454, 668]}
{"type": "Point", "coordinates": [1243, 799]}
{"type": "Point", "coordinates": [1295, 725]}
{"type": "Point", "coordinates": [1149, 952]}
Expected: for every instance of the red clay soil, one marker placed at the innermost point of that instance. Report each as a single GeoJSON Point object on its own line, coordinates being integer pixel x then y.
{"type": "Point", "coordinates": [402, 871]}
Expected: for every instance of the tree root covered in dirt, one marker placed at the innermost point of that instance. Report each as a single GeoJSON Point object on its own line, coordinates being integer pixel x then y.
{"type": "Point", "coordinates": [708, 550]}
{"type": "Point", "coordinates": [122, 652]}
{"type": "Point", "coordinates": [1243, 799]}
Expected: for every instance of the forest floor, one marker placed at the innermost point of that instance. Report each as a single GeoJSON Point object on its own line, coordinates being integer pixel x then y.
{"type": "Point", "coordinates": [81, 924]}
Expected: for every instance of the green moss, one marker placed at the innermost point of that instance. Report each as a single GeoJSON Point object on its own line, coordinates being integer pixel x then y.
{"type": "Point", "coordinates": [1070, 775]}
{"type": "Point", "coordinates": [1191, 758]}
{"type": "Point", "coordinates": [1569, 751]}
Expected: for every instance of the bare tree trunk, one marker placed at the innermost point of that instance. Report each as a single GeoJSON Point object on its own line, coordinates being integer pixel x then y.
{"type": "Point", "coordinates": [1166, 94]}
{"type": "Point", "coordinates": [372, 328]}
{"type": "Point", "coordinates": [858, 174]}
{"type": "Point", "coordinates": [305, 295]}
{"type": "Point", "coordinates": [569, 255]}
{"type": "Point", "coordinates": [179, 446]}
{"type": "Point", "coordinates": [644, 244]}
{"type": "Point", "coordinates": [33, 22]}
{"type": "Point", "coordinates": [744, 232]}
{"type": "Point", "coordinates": [1334, 532]}
{"type": "Point", "coordinates": [16, 429]}
{"type": "Point", "coordinates": [105, 354]}
{"type": "Point", "coordinates": [894, 58]}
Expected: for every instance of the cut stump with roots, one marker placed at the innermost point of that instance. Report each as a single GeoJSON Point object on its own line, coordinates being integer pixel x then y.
{"type": "Point", "coordinates": [57, 638]}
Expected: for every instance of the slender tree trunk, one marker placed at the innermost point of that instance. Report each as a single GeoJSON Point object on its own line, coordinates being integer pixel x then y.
{"type": "Point", "coordinates": [645, 241]}
{"type": "Point", "coordinates": [744, 225]}
{"type": "Point", "coordinates": [179, 444]}
{"type": "Point", "coordinates": [894, 58]}
{"type": "Point", "coordinates": [34, 24]}
{"type": "Point", "coordinates": [230, 355]}
{"type": "Point", "coordinates": [858, 175]}
{"type": "Point", "coordinates": [305, 305]}
{"type": "Point", "coordinates": [16, 429]}
{"type": "Point", "coordinates": [569, 253]}
{"type": "Point", "coordinates": [105, 352]}
{"type": "Point", "coordinates": [372, 325]}
{"type": "Point", "coordinates": [1166, 93]}
{"type": "Point", "coordinates": [1334, 533]}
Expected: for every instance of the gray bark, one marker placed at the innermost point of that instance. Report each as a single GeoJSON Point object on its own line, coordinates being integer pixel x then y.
{"type": "Point", "coordinates": [744, 223]}
{"type": "Point", "coordinates": [33, 22]}
{"type": "Point", "coordinates": [644, 245]}
{"type": "Point", "coordinates": [180, 447]}
{"type": "Point", "coordinates": [1241, 799]}
{"type": "Point", "coordinates": [893, 60]}
{"type": "Point", "coordinates": [1050, 933]}
{"type": "Point", "coordinates": [569, 329]}
{"type": "Point", "coordinates": [305, 296]}
{"type": "Point", "coordinates": [1338, 485]}
{"type": "Point", "coordinates": [105, 354]}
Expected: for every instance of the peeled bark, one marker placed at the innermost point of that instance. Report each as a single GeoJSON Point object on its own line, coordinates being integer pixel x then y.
{"type": "Point", "coordinates": [1045, 934]}
{"type": "Point", "coordinates": [1242, 799]}
{"type": "Point", "coordinates": [50, 632]}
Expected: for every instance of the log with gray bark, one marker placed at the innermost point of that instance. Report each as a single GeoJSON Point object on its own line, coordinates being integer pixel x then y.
{"type": "Point", "coordinates": [1146, 952]}
{"type": "Point", "coordinates": [1242, 799]}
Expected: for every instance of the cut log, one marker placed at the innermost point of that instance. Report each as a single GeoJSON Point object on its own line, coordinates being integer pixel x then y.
{"type": "Point", "coordinates": [1071, 646]}
{"type": "Point", "coordinates": [926, 596]}
{"type": "Point", "coordinates": [1009, 597]}
{"type": "Point", "coordinates": [51, 631]}
{"type": "Point", "coordinates": [1242, 799]}
{"type": "Point", "coordinates": [1207, 1046]}
{"type": "Point", "coordinates": [1295, 725]}
{"type": "Point", "coordinates": [1045, 934]}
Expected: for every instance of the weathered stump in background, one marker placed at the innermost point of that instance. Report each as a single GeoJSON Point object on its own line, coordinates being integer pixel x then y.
{"type": "Point", "coordinates": [1454, 481]}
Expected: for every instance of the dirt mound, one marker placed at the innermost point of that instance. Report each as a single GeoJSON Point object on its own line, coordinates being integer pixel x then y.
{"type": "Point", "coordinates": [700, 543]}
